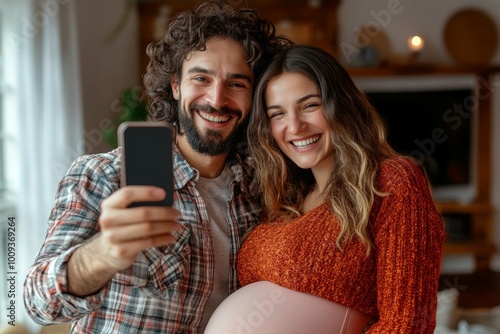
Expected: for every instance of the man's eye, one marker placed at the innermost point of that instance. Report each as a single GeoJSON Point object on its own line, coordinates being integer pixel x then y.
{"type": "Point", "coordinates": [237, 85]}
{"type": "Point", "coordinates": [201, 79]}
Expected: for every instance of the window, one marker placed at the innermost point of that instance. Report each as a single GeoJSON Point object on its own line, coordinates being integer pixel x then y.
{"type": "Point", "coordinates": [3, 226]}
{"type": "Point", "coordinates": [6, 204]}
{"type": "Point", "coordinates": [8, 120]}
{"type": "Point", "coordinates": [3, 183]}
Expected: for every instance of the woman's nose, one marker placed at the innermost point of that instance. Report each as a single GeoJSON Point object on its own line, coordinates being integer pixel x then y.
{"type": "Point", "coordinates": [296, 124]}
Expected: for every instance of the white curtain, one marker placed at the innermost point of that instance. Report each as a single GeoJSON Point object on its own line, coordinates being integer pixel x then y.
{"type": "Point", "coordinates": [44, 115]}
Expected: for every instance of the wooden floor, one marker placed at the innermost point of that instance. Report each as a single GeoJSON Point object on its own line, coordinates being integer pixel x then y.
{"type": "Point", "coordinates": [478, 290]}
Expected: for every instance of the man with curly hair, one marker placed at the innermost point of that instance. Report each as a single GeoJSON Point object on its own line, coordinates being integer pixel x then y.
{"type": "Point", "coordinates": [108, 268]}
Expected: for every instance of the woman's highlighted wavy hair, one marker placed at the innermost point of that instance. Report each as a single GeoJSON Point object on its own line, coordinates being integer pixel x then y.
{"type": "Point", "coordinates": [358, 138]}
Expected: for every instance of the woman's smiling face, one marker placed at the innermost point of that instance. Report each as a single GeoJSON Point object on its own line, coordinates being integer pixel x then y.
{"type": "Point", "coordinates": [298, 123]}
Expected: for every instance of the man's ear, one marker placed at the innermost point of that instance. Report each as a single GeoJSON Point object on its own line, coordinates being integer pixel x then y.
{"type": "Point", "coordinates": [175, 87]}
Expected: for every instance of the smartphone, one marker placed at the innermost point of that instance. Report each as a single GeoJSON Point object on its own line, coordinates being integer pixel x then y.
{"type": "Point", "coordinates": [146, 158]}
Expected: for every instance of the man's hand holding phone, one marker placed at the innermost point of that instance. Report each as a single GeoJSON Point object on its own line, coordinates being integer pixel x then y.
{"type": "Point", "coordinates": [136, 217]}
{"type": "Point", "coordinates": [126, 231]}
{"type": "Point", "coordinates": [140, 215]}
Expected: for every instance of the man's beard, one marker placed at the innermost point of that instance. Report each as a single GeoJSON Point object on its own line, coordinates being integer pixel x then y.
{"type": "Point", "coordinates": [211, 143]}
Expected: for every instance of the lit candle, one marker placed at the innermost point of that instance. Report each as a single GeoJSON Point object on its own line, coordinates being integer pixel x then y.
{"type": "Point", "coordinates": [415, 43]}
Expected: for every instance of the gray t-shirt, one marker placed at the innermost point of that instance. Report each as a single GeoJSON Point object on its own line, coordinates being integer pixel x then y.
{"type": "Point", "coordinates": [216, 194]}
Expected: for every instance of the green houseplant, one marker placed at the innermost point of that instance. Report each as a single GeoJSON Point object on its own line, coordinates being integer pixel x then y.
{"type": "Point", "coordinates": [131, 108]}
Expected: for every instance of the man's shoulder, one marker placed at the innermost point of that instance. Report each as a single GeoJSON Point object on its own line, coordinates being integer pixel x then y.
{"type": "Point", "coordinates": [242, 166]}
{"type": "Point", "coordinates": [108, 163]}
{"type": "Point", "coordinates": [248, 165]}
{"type": "Point", "coordinates": [248, 179]}
{"type": "Point", "coordinates": [89, 179]}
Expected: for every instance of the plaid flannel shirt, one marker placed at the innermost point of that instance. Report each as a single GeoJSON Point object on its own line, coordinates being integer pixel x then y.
{"type": "Point", "coordinates": [166, 289]}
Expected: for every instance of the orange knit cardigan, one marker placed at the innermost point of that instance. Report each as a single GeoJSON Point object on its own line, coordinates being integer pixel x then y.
{"type": "Point", "coordinates": [397, 283]}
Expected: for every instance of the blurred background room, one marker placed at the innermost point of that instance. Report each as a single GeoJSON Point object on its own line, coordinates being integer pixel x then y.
{"type": "Point", "coordinates": [71, 71]}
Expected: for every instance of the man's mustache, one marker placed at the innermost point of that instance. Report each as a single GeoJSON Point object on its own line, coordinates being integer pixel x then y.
{"type": "Point", "coordinates": [209, 109]}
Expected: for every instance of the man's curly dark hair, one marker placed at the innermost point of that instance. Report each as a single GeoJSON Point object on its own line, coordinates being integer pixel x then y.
{"type": "Point", "coordinates": [190, 30]}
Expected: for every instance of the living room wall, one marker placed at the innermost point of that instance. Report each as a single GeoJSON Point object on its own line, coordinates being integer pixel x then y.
{"type": "Point", "coordinates": [109, 58]}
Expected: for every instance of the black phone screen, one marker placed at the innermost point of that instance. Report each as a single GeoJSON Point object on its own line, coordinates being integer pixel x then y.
{"type": "Point", "coordinates": [147, 158]}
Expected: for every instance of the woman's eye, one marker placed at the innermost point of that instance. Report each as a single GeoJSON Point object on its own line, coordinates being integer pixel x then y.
{"type": "Point", "coordinates": [275, 115]}
{"type": "Point", "coordinates": [311, 105]}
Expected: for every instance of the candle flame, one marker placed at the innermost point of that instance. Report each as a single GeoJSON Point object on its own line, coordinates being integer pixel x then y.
{"type": "Point", "coordinates": [415, 43]}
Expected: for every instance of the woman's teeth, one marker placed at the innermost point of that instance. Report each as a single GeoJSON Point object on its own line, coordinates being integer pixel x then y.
{"type": "Point", "coordinates": [303, 143]}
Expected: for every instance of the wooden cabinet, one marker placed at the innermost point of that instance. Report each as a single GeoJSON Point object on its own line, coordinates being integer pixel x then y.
{"type": "Point", "coordinates": [304, 21]}
{"type": "Point", "coordinates": [479, 212]}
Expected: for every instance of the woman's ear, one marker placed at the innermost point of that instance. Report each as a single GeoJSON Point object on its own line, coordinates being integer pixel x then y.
{"type": "Point", "coordinates": [175, 87]}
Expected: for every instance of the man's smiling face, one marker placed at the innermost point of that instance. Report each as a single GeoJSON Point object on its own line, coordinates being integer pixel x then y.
{"type": "Point", "coordinates": [214, 94]}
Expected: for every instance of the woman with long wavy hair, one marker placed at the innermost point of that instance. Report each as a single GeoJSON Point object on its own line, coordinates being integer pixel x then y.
{"type": "Point", "coordinates": [349, 224]}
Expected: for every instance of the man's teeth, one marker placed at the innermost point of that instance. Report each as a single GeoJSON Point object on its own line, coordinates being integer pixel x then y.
{"type": "Point", "coordinates": [303, 143]}
{"type": "Point", "coordinates": [212, 118]}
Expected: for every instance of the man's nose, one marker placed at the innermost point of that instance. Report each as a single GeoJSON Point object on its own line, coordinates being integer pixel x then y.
{"type": "Point", "coordinates": [217, 96]}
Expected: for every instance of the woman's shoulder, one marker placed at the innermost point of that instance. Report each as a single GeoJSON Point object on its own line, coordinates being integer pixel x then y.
{"type": "Point", "coordinates": [399, 164]}
{"type": "Point", "coordinates": [393, 173]}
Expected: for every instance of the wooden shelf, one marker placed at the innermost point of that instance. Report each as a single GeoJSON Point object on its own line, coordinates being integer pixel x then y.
{"type": "Point", "coordinates": [419, 70]}
{"type": "Point", "coordinates": [472, 208]}
{"type": "Point", "coordinates": [478, 248]}
{"type": "Point", "coordinates": [478, 290]}
{"type": "Point", "coordinates": [480, 213]}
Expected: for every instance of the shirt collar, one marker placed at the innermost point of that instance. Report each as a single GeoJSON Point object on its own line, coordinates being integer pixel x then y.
{"type": "Point", "coordinates": [184, 172]}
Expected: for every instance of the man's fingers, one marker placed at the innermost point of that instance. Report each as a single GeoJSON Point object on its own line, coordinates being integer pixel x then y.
{"type": "Point", "coordinates": [127, 231]}
{"type": "Point", "coordinates": [120, 217]}
{"type": "Point", "coordinates": [131, 248]}
{"type": "Point", "coordinates": [140, 231]}
{"type": "Point", "coordinates": [125, 196]}
{"type": "Point", "coordinates": [122, 255]}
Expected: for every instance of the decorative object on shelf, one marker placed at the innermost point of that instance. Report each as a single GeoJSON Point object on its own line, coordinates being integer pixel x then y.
{"type": "Point", "coordinates": [367, 57]}
{"type": "Point", "coordinates": [374, 47]}
{"type": "Point", "coordinates": [415, 44]}
{"type": "Point", "coordinates": [471, 37]}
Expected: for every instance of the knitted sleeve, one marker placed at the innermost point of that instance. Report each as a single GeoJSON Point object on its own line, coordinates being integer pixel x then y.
{"type": "Point", "coordinates": [408, 240]}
